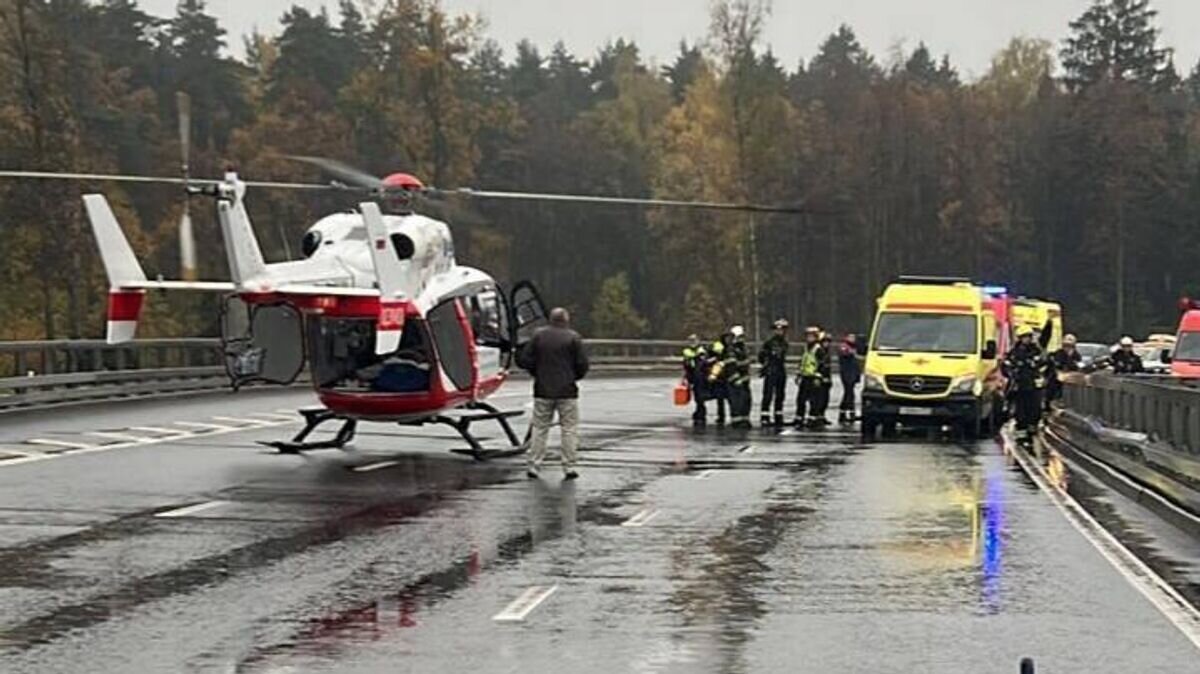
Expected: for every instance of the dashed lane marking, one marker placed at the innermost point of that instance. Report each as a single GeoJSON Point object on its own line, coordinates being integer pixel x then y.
{"type": "Point", "coordinates": [210, 427]}
{"type": "Point", "coordinates": [523, 605]}
{"type": "Point", "coordinates": [192, 509]}
{"type": "Point", "coordinates": [705, 474]}
{"type": "Point", "coordinates": [63, 444]}
{"type": "Point", "coordinates": [375, 466]}
{"type": "Point", "coordinates": [1173, 606]}
{"type": "Point", "coordinates": [641, 519]}
{"type": "Point", "coordinates": [748, 449]}
{"type": "Point", "coordinates": [276, 417]}
{"type": "Point", "coordinates": [62, 448]}
{"type": "Point", "coordinates": [243, 421]}
{"type": "Point", "coordinates": [159, 429]}
{"type": "Point", "coordinates": [119, 437]}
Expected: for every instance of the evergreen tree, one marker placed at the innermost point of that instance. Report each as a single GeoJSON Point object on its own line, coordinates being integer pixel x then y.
{"type": "Point", "coordinates": [1115, 40]}
{"type": "Point", "coordinates": [613, 314]}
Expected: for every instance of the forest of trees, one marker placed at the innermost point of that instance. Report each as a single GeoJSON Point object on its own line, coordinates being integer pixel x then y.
{"type": "Point", "coordinates": [1069, 170]}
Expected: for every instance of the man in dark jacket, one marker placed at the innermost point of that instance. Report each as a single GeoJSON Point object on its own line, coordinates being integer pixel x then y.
{"type": "Point", "coordinates": [695, 373]}
{"type": "Point", "coordinates": [1066, 359]}
{"type": "Point", "coordinates": [1125, 360]}
{"type": "Point", "coordinates": [850, 372]}
{"type": "Point", "coordinates": [772, 358]}
{"type": "Point", "coordinates": [557, 360]}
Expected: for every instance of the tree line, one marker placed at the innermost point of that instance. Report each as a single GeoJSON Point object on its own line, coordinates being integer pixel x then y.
{"type": "Point", "coordinates": [1068, 170]}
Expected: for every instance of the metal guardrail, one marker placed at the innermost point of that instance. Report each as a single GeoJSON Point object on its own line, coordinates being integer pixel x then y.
{"type": "Point", "coordinates": [38, 373]}
{"type": "Point", "coordinates": [1164, 409]}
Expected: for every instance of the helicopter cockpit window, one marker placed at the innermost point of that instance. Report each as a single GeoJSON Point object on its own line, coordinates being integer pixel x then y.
{"type": "Point", "coordinates": [311, 242]}
{"type": "Point", "coordinates": [344, 358]}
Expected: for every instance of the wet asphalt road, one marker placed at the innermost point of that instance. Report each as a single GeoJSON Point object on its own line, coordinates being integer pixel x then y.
{"type": "Point", "coordinates": [157, 536]}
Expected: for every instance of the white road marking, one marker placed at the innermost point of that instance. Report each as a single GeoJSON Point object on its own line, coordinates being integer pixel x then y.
{"type": "Point", "coordinates": [1176, 609]}
{"type": "Point", "coordinates": [243, 420]}
{"type": "Point", "coordinates": [75, 449]}
{"type": "Point", "coordinates": [748, 449]}
{"type": "Point", "coordinates": [790, 431]}
{"type": "Point", "coordinates": [192, 509]}
{"type": "Point", "coordinates": [13, 453]}
{"type": "Point", "coordinates": [523, 605]}
{"type": "Point", "coordinates": [65, 444]}
{"type": "Point", "coordinates": [375, 466]}
{"type": "Point", "coordinates": [277, 417]}
{"type": "Point", "coordinates": [159, 429]}
{"type": "Point", "coordinates": [704, 475]}
{"type": "Point", "coordinates": [202, 425]}
{"type": "Point", "coordinates": [640, 519]}
{"type": "Point", "coordinates": [119, 437]}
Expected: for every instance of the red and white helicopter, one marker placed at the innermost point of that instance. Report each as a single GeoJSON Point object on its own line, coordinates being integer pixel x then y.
{"type": "Point", "coordinates": [391, 327]}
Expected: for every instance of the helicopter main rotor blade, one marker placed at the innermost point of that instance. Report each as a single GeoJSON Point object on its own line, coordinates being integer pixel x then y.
{"type": "Point", "coordinates": [619, 201]}
{"type": "Point", "coordinates": [343, 172]}
{"type": "Point", "coordinates": [161, 180]}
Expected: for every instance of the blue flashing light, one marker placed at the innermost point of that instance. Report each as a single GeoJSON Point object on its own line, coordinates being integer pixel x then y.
{"type": "Point", "coordinates": [995, 291]}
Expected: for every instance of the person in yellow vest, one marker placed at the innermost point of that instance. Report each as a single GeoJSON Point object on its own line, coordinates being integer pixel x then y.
{"type": "Point", "coordinates": [808, 379]}
{"type": "Point", "coordinates": [718, 388]}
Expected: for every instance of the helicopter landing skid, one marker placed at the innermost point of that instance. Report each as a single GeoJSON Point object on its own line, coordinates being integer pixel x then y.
{"type": "Point", "coordinates": [312, 419]}
{"type": "Point", "coordinates": [462, 424]}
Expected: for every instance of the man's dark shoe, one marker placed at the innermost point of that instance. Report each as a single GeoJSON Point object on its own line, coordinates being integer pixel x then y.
{"type": "Point", "coordinates": [571, 475]}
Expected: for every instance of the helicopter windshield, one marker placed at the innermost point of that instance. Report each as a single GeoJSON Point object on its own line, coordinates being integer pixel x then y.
{"type": "Point", "coordinates": [343, 357]}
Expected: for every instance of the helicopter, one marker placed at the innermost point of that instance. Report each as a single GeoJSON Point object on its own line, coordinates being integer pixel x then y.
{"type": "Point", "coordinates": [391, 328]}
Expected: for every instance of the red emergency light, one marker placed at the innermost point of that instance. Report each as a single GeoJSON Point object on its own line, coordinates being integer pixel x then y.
{"type": "Point", "coordinates": [1188, 304]}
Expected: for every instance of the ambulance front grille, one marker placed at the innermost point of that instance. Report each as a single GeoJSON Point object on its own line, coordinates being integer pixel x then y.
{"type": "Point", "coordinates": [916, 384]}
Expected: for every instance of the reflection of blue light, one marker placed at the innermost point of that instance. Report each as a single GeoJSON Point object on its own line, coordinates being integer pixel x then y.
{"type": "Point", "coordinates": [995, 291]}
{"type": "Point", "coordinates": [992, 514]}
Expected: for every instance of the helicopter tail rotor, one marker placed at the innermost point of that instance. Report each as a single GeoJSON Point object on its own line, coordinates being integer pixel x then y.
{"type": "Point", "coordinates": [187, 238]}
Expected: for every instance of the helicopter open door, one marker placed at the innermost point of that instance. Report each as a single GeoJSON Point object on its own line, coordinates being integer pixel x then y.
{"type": "Point", "coordinates": [262, 343]}
{"type": "Point", "coordinates": [528, 312]}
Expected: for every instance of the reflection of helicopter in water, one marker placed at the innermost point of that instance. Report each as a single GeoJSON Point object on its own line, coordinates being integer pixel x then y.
{"type": "Point", "coordinates": [392, 328]}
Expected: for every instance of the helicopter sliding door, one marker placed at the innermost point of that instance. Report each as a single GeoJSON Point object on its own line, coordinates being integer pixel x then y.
{"type": "Point", "coordinates": [262, 343]}
{"type": "Point", "coordinates": [449, 328]}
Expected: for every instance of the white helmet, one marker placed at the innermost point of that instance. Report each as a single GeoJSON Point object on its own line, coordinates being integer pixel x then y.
{"type": "Point", "coordinates": [1126, 341]}
{"type": "Point", "coordinates": [737, 331]}
{"type": "Point", "coordinates": [1069, 340]}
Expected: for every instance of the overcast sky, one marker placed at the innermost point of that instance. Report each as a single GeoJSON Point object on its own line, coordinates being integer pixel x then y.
{"type": "Point", "coordinates": [969, 30]}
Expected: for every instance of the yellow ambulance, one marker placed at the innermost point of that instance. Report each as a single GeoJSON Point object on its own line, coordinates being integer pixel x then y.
{"type": "Point", "coordinates": [931, 359]}
{"type": "Point", "coordinates": [1037, 314]}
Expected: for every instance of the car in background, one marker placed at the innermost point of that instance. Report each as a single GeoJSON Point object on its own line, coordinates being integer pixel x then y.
{"type": "Point", "coordinates": [1090, 352]}
{"type": "Point", "coordinates": [1152, 358]}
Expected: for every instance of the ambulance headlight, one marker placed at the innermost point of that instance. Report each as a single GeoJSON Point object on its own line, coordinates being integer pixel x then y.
{"type": "Point", "coordinates": [964, 384]}
{"type": "Point", "coordinates": [872, 382]}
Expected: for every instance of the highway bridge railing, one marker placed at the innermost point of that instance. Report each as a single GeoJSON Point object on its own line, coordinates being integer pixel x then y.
{"type": "Point", "coordinates": [39, 373]}
{"type": "Point", "coordinates": [1145, 423]}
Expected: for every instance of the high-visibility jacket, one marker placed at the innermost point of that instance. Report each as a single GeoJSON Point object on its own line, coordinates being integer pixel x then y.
{"type": "Point", "coordinates": [810, 361]}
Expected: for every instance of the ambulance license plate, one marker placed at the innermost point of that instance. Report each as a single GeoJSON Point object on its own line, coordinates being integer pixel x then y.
{"type": "Point", "coordinates": [917, 411]}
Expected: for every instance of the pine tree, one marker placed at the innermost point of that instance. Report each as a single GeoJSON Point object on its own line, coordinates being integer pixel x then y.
{"type": "Point", "coordinates": [701, 314]}
{"type": "Point", "coordinates": [1115, 40]}
{"type": "Point", "coordinates": [613, 314]}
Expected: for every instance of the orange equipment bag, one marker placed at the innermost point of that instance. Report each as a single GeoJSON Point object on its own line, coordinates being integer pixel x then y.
{"type": "Point", "coordinates": [683, 394]}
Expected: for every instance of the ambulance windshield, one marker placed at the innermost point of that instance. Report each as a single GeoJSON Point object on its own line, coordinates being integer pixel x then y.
{"type": "Point", "coordinates": [930, 333]}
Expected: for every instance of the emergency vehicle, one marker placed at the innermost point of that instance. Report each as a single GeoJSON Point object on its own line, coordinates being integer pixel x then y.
{"type": "Point", "coordinates": [1185, 361]}
{"type": "Point", "coordinates": [1037, 314]}
{"type": "Point", "coordinates": [931, 358]}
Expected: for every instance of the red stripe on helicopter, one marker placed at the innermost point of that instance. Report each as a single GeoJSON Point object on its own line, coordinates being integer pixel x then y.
{"type": "Point", "coordinates": [125, 305]}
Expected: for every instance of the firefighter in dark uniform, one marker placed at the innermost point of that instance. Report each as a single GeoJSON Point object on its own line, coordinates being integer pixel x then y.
{"type": "Point", "coordinates": [1025, 366]}
{"type": "Point", "coordinates": [1066, 359]}
{"type": "Point", "coordinates": [808, 379]}
{"type": "Point", "coordinates": [737, 367]}
{"type": "Point", "coordinates": [695, 372]}
{"type": "Point", "coordinates": [718, 388]}
{"type": "Point", "coordinates": [1125, 360]}
{"type": "Point", "coordinates": [772, 358]}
